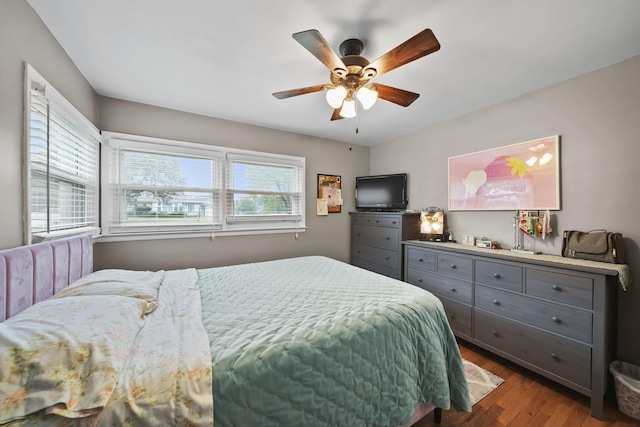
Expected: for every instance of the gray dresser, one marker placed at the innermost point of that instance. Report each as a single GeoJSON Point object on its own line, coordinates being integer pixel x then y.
{"type": "Point", "coordinates": [376, 240]}
{"type": "Point", "coordinates": [549, 314]}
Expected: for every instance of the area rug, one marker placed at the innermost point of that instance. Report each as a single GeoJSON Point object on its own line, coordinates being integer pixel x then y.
{"type": "Point", "coordinates": [480, 381]}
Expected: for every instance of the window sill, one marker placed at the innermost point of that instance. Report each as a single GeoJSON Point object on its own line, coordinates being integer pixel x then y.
{"type": "Point", "coordinates": [200, 234]}
{"type": "Point", "coordinates": [63, 234]}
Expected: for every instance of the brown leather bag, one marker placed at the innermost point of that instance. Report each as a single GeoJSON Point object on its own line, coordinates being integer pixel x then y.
{"type": "Point", "coordinates": [595, 245]}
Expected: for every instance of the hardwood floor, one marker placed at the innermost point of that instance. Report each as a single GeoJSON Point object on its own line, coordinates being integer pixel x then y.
{"type": "Point", "coordinates": [526, 399]}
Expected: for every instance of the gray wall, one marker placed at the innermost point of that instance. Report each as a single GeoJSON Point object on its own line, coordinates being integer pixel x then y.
{"type": "Point", "coordinates": [25, 39]}
{"type": "Point", "coordinates": [597, 116]}
{"type": "Point", "coordinates": [325, 235]}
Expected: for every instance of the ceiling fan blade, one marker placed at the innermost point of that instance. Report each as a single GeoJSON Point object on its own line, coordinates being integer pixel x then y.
{"type": "Point", "coordinates": [313, 41]}
{"type": "Point", "coordinates": [336, 115]}
{"type": "Point", "coordinates": [395, 95]}
{"type": "Point", "coordinates": [295, 92]}
{"type": "Point", "coordinates": [420, 45]}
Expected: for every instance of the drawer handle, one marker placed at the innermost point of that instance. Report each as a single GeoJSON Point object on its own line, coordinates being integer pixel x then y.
{"type": "Point", "coordinates": [451, 315]}
{"type": "Point", "coordinates": [387, 258]}
{"type": "Point", "coordinates": [453, 266]}
{"type": "Point", "coordinates": [555, 319]}
{"type": "Point", "coordinates": [496, 302]}
{"type": "Point", "coordinates": [555, 357]}
{"type": "Point", "coordinates": [420, 279]}
{"type": "Point", "coordinates": [377, 221]}
{"type": "Point", "coordinates": [494, 333]}
{"type": "Point", "coordinates": [453, 289]}
{"type": "Point", "coordinates": [556, 288]}
{"type": "Point", "coordinates": [388, 238]}
{"type": "Point", "coordinates": [394, 222]}
{"type": "Point", "coordinates": [496, 275]}
{"type": "Point", "coordinates": [420, 260]}
{"type": "Point", "coordinates": [358, 251]}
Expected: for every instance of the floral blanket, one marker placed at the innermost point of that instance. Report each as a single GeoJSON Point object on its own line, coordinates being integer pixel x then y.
{"type": "Point", "coordinates": [166, 378]}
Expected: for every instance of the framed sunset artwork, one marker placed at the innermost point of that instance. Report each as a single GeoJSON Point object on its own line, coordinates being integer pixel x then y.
{"type": "Point", "coordinates": [519, 176]}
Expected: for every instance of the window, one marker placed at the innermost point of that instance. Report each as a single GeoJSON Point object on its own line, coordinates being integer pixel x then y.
{"type": "Point", "coordinates": [62, 173]}
{"type": "Point", "coordinates": [261, 189]}
{"type": "Point", "coordinates": [153, 186]}
{"type": "Point", "coordinates": [134, 187]}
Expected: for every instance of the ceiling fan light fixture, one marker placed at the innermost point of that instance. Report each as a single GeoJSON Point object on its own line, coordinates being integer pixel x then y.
{"type": "Point", "coordinates": [367, 95]}
{"type": "Point", "coordinates": [348, 109]}
{"type": "Point", "coordinates": [350, 71]}
{"type": "Point", "coordinates": [336, 95]}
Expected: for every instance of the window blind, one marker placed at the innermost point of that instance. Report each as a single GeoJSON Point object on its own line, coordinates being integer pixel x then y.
{"type": "Point", "coordinates": [63, 167]}
{"type": "Point", "coordinates": [155, 191]}
{"type": "Point", "coordinates": [158, 187]}
{"type": "Point", "coordinates": [264, 189]}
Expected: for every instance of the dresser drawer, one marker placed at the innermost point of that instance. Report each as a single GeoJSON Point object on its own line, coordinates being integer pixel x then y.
{"type": "Point", "coordinates": [377, 268]}
{"type": "Point", "coordinates": [421, 259]}
{"type": "Point", "coordinates": [379, 256]}
{"type": "Point", "coordinates": [559, 286]}
{"type": "Point", "coordinates": [440, 285]}
{"type": "Point", "coordinates": [459, 316]}
{"type": "Point", "coordinates": [380, 237]}
{"type": "Point", "coordinates": [454, 265]}
{"type": "Point", "coordinates": [376, 220]}
{"type": "Point", "coordinates": [563, 357]}
{"type": "Point", "coordinates": [570, 322]}
{"type": "Point", "coordinates": [498, 274]}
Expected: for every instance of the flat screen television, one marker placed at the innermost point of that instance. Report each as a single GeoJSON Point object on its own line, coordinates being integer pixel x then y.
{"type": "Point", "coordinates": [381, 192]}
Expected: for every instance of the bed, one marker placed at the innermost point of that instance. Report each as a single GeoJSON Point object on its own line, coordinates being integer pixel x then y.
{"type": "Point", "coordinates": [302, 341]}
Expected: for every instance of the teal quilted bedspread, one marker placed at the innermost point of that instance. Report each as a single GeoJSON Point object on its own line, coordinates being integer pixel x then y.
{"type": "Point", "coordinates": [311, 341]}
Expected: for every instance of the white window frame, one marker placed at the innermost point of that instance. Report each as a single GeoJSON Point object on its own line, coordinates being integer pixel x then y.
{"type": "Point", "coordinates": [226, 226]}
{"type": "Point", "coordinates": [267, 160]}
{"type": "Point", "coordinates": [89, 140]}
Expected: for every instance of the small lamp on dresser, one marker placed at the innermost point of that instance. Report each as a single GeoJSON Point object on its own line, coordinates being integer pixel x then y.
{"type": "Point", "coordinates": [432, 224]}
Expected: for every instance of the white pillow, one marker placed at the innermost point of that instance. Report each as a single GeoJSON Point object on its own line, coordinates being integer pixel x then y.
{"type": "Point", "coordinates": [127, 283]}
{"type": "Point", "coordinates": [65, 355]}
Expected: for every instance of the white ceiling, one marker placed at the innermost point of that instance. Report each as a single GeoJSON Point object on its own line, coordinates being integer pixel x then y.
{"type": "Point", "coordinates": [225, 58]}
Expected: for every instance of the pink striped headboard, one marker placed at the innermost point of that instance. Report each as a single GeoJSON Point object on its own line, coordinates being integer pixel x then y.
{"type": "Point", "coordinates": [30, 274]}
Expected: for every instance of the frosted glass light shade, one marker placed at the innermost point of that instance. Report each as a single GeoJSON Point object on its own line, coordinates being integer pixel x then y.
{"type": "Point", "coordinates": [336, 95]}
{"type": "Point", "coordinates": [367, 96]}
{"type": "Point", "coordinates": [431, 222]}
{"type": "Point", "coordinates": [348, 109]}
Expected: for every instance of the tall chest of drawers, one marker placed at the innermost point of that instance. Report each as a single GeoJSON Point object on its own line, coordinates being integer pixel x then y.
{"type": "Point", "coordinates": [549, 314]}
{"type": "Point", "coordinates": [376, 240]}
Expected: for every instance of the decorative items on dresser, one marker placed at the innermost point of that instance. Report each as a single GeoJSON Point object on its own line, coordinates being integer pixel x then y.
{"type": "Point", "coordinates": [376, 240]}
{"type": "Point", "coordinates": [552, 315]}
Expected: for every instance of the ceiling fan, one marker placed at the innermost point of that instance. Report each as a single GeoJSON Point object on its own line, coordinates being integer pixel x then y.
{"type": "Point", "coordinates": [351, 73]}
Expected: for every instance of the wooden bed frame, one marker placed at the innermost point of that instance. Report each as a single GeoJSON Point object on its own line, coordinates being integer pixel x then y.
{"type": "Point", "coordinates": [26, 274]}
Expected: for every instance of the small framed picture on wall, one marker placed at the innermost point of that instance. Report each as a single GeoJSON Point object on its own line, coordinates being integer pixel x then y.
{"type": "Point", "coordinates": [330, 192]}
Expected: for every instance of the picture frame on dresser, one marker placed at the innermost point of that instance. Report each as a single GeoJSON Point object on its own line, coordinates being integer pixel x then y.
{"type": "Point", "coordinates": [525, 175]}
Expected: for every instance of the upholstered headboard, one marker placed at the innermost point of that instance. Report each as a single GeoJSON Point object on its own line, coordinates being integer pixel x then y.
{"type": "Point", "coordinates": [30, 274]}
